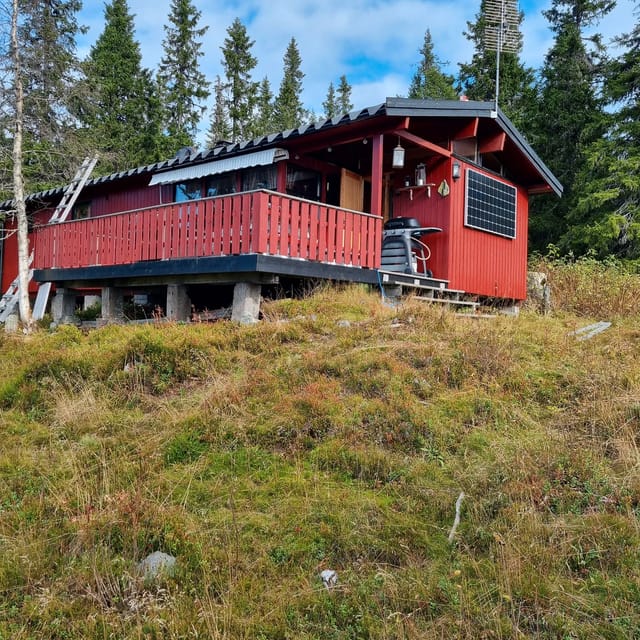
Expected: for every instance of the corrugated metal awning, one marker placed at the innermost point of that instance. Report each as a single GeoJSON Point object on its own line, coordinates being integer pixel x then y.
{"type": "Point", "coordinates": [191, 172]}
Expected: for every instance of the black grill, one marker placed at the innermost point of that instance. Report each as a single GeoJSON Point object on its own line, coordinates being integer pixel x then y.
{"type": "Point", "coordinates": [401, 247]}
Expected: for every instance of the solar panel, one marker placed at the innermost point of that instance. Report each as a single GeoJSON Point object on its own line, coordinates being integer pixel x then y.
{"type": "Point", "coordinates": [490, 205]}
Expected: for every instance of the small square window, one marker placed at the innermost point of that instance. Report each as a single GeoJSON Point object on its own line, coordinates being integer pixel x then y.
{"type": "Point", "coordinates": [81, 210]}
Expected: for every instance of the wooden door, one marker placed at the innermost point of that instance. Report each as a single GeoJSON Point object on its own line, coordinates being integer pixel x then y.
{"type": "Point", "coordinates": [351, 190]}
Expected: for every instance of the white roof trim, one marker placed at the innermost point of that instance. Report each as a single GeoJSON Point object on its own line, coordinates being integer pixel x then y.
{"type": "Point", "coordinates": [193, 171]}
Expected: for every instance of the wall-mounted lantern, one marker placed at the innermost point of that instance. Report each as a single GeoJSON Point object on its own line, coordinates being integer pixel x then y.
{"type": "Point", "coordinates": [455, 171]}
{"type": "Point", "coordinates": [398, 156]}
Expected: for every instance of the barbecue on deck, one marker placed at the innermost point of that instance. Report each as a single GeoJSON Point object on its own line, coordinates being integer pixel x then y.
{"type": "Point", "coordinates": [307, 203]}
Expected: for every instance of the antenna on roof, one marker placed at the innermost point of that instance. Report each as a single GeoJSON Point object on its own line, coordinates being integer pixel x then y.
{"type": "Point", "coordinates": [183, 153]}
{"type": "Point", "coordinates": [501, 31]}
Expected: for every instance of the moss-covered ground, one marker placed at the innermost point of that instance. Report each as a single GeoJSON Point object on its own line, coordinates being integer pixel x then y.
{"type": "Point", "coordinates": [335, 434]}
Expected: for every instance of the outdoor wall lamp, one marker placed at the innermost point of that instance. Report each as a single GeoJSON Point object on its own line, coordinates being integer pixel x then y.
{"type": "Point", "coordinates": [398, 156]}
{"type": "Point", "coordinates": [455, 171]}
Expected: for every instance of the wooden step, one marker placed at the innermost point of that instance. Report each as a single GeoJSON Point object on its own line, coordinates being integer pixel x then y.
{"type": "Point", "coordinates": [451, 301]}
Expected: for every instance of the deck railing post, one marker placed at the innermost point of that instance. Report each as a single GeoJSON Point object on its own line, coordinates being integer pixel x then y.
{"type": "Point", "coordinates": [259, 221]}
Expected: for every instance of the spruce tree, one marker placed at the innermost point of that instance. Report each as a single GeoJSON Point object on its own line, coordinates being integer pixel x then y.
{"type": "Point", "coordinates": [606, 217]}
{"type": "Point", "coordinates": [184, 86]}
{"type": "Point", "coordinates": [289, 111]}
{"type": "Point", "coordinates": [219, 127]}
{"type": "Point", "coordinates": [330, 104]}
{"type": "Point", "coordinates": [429, 82]}
{"type": "Point", "coordinates": [46, 34]}
{"type": "Point", "coordinates": [344, 95]}
{"type": "Point", "coordinates": [240, 90]}
{"type": "Point", "coordinates": [264, 109]}
{"type": "Point", "coordinates": [122, 114]}
{"type": "Point", "coordinates": [477, 79]}
{"type": "Point", "coordinates": [569, 113]}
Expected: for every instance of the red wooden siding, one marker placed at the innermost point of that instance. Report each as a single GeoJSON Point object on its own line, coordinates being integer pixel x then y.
{"type": "Point", "coordinates": [484, 263]}
{"type": "Point", "coordinates": [9, 255]}
{"type": "Point", "coordinates": [126, 200]}
{"type": "Point", "coordinates": [254, 222]}
{"type": "Point", "coordinates": [433, 211]}
{"type": "Point", "coordinates": [471, 260]}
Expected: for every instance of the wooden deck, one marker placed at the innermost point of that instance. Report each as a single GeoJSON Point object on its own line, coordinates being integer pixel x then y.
{"type": "Point", "coordinates": [252, 223]}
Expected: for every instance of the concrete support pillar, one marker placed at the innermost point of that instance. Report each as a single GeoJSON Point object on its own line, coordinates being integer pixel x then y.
{"type": "Point", "coordinates": [178, 303]}
{"type": "Point", "coordinates": [246, 302]}
{"type": "Point", "coordinates": [63, 306]}
{"type": "Point", "coordinates": [393, 291]}
{"type": "Point", "coordinates": [112, 304]}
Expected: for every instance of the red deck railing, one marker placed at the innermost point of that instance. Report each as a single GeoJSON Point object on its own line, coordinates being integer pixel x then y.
{"type": "Point", "coordinates": [253, 222]}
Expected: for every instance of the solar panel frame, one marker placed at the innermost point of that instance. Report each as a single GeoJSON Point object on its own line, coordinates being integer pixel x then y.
{"type": "Point", "coordinates": [490, 205]}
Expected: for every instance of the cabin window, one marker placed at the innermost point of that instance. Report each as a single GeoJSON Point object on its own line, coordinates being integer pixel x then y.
{"type": "Point", "coordinates": [466, 148]}
{"type": "Point", "coordinates": [81, 210]}
{"type": "Point", "coordinates": [191, 190]}
{"type": "Point", "coordinates": [490, 205]}
{"type": "Point", "coordinates": [220, 185]}
{"type": "Point", "coordinates": [303, 183]}
{"type": "Point", "coordinates": [260, 178]}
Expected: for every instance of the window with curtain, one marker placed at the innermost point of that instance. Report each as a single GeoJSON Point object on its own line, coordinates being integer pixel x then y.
{"type": "Point", "coordinates": [303, 183]}
{"type": "Point", "coordinates": [220, 185]}
{"type": "Point", "coordinates": [260, 178]}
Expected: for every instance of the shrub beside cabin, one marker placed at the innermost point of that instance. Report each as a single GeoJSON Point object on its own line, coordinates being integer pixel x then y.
{"type": "Point", "coordinates": [313, 202]}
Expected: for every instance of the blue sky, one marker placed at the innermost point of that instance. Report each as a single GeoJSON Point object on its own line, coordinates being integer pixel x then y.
{"type": "Point", "coordinates": [374, 43]}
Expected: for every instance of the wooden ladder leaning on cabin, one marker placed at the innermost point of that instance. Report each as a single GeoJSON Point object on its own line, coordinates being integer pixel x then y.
{"type": "Point", "coordinates": [10, 298]}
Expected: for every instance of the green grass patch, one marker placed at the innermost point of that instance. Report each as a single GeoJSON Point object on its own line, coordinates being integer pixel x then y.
{"type": "Point", "coordinates": [336, 434]}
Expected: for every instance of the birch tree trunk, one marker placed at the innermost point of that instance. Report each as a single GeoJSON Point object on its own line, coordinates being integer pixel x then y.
{"type": "Point", "coordinates": [18, 179]}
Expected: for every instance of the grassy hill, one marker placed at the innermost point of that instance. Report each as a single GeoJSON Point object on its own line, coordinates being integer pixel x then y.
{"type": "Point", "coordinates": [336, 434]}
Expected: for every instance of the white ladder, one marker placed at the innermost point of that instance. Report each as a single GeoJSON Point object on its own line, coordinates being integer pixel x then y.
{"type": "Point", "coordinates": [9, 300]}
{"type": "Point", "coordinates": [61, 213]}
{"type": "Point", "coordinates": [73, 190]}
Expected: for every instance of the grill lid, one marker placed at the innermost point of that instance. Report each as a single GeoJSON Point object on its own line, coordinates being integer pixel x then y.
{"type": "Point", "coordinates": [402, 223]}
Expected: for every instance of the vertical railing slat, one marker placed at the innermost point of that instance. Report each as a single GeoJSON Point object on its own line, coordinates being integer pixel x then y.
{"type": "Point", "coordinates": [256, 222]}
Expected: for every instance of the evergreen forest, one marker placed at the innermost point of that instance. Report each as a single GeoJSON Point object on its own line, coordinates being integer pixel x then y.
{"type": "Point", "coordinates": [579, 110]}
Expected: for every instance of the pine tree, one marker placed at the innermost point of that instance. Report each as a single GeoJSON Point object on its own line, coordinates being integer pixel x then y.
{"type": "Point", "coordinates": [184, 86]}
{"type": "Point", "coordinates": [241, 91]}
{"type": "Point", "coordinates": [122, 115]}
{"type": "Point", "coordinates": [344, 95]}
{"type": "Point", "coordinates": [477, 79]}
{"type": "Point", "coordinates": [330, 104]}
{"type": "Point", "coordinates": [289, 111]}
{"type": "Point", "coordinates": [569, 115]}
{"type": "Point", "coordinates": [219, 128]}
{"type": "Point", "coordinates": [429, 82]}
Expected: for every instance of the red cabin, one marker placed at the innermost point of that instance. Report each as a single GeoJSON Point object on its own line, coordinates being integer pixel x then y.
{"type": "Point", "coordinates": [433, 193]}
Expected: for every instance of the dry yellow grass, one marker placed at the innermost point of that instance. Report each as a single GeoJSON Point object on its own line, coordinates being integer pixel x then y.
{"type": "Point", "coordinates": [261, 455]}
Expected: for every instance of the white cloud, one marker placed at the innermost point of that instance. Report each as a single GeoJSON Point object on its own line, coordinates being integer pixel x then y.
{"type": "Point", "coordinates": [374, 42]}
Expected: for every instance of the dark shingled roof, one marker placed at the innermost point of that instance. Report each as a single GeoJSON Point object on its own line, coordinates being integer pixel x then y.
{"type": "Point", "coordinates": [404, 107]}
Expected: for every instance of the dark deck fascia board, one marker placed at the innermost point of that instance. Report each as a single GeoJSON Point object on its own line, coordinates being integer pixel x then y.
{"type": "Point", "coordinates": [198, 268]}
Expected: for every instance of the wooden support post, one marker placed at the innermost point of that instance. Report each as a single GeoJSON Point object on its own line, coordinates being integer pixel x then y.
{"type": "Point", "coordinates": [376, 175]}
